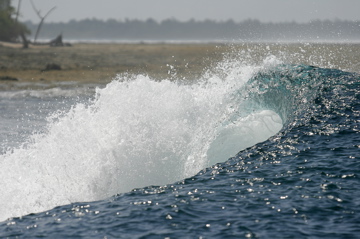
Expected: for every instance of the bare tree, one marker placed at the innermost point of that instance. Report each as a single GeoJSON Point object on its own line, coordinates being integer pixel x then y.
{"type": "Point", "coordinates": [18, 11]}
{"type": "Point", "coordinates": [42, 18]}
{"type": "Point", "coordinates": [22, 33]}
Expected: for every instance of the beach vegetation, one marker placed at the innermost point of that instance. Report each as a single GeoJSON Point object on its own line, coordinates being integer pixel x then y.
{"type": "Point", "coordinates": [10, 29]}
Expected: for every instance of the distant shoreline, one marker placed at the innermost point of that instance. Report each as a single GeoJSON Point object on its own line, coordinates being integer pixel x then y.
{"type": "Point", "coordinates": [101, 63]}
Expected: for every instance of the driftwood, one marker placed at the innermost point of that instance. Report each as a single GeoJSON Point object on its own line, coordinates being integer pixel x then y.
{"type": "Point", "coordinates": [51, 67]}
{"type": "Point", "coordinates": [57, 41]}
{"type": "Point", "coordinates": [8, 78]}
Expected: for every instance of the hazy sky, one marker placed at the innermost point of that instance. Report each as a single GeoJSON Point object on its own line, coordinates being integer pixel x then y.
{"type": "Point", "coordinates": [183, 10]}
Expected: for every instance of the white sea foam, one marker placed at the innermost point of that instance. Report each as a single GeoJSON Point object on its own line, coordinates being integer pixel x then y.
{"type": "Point", "coordinates": [136, 132]}
{"type": "Point", "coordinates": [45, 93]}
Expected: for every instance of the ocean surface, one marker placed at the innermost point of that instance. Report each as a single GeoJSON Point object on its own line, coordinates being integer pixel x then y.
{"type": "Point", "coordinates": [248, 150]}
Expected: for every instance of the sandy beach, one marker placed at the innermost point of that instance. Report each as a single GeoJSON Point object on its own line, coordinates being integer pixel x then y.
{"type": "Point", "coordinates": [100, 63]}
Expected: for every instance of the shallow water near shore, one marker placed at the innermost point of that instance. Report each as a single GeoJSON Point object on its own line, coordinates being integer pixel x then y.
{"type": "Point", "coordinates": [258, 146]}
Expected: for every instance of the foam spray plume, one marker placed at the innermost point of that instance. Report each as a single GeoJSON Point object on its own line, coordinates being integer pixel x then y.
{"type": "Point", "coordinates": [136, 132]}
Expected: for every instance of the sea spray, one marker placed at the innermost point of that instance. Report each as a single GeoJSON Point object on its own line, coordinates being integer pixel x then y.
{"type": "Point", "coordinates": [135, 132]}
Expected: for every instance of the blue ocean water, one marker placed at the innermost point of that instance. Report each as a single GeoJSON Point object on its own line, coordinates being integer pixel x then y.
{"type": "Point", "coordinates": [247, 151]}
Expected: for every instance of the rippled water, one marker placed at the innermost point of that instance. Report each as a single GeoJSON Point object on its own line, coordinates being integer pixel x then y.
{"type": "Point", "coordinates": [249, 150]}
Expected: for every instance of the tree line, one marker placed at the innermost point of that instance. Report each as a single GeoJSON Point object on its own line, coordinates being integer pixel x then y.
{"type": "Point", "coordinates": [172, 29]}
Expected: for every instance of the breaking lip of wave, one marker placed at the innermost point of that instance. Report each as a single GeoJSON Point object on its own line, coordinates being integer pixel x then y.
{"type": "Point", "coordinates": [136, 132]}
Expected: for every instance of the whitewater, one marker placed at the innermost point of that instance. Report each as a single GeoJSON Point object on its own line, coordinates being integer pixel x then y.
{"type": "Point", "coordinates": [140, 150]}
{"type": "Point", "coordinates": [136, 132]}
